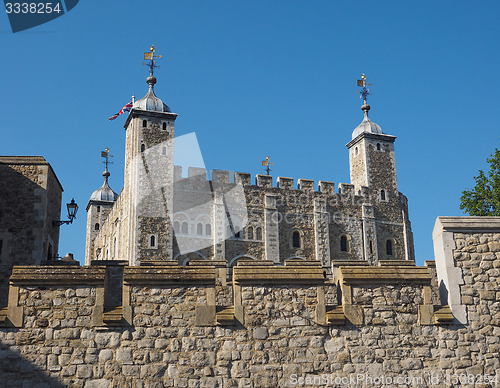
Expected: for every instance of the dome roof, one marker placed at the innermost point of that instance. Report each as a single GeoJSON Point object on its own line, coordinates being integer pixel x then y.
{"type": "Point", "coordinates": [150, 101]}
{"type": "Point", "coordinates": [366, 125]}
{"type": "Point", "coordinates": [104, 193]}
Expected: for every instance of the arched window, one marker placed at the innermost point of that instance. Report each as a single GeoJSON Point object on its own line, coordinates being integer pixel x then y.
{"type": "Point", "coordinates": [208, 229]}
{"type": "Point", "coordinates": [143, 147]}
{"type": "Point", "coordinates": [343, 244]}
{"type": "Point", "coordinates": [164, 151]}
{"type": "Point", "coordinates": [98, 209]}
{"type": "Point", "coordinates": [388, 248]}
{"type": "Point", "coordinates": [164, 126]}
{"type": "Point", "coordinates": [382, 195]}
{"type": "Point", "coordinates": [356, 151]}
{"type": "Point", "coordinates": [378, 146]}
{"type": "Point", "coordinates": [144, 123]}
{"type": "Point", "coordinates": [199, 228]}
{"type": "Point", "coordinates": [371, 247]}
{"type": "Point", "coordinates": [258, 233]}
{"type": "Point", "coordinates": [296, 239]}
{"type": "Point", "coordinates": [152, 241]}
{"type": "Point", "coordinates": [176, 226]}
{"type": "Point", "coordinates": [250, 233]}
{"type": "Point", "coordinates": [184, 227]}
{"type": "Point", "coordinates": [96, 227]}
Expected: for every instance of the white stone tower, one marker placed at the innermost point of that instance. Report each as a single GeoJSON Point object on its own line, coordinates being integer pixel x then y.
{"type": "Point", "coordinates": [100, 204]}
{"type": "Point", "coordinates": [147, 191]}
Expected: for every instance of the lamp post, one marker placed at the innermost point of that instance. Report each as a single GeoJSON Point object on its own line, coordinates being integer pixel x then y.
{"type": "Point", "coordinates": [72, 210]}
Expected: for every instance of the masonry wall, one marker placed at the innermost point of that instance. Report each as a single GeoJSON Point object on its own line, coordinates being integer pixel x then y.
{"type": "Point", "coordinates": [380, 321]}
{"type": "Point", "coordinates": [30, 200]}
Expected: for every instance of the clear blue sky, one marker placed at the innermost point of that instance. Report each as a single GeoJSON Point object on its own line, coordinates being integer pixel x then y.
{"type": "Point", "coordinates": [262, 78]}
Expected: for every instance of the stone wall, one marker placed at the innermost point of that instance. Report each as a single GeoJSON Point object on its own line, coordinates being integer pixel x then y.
{"type": "Point", "coordinates": [30, 200]}
{"type": "Point", "coordinates": [264, 325]}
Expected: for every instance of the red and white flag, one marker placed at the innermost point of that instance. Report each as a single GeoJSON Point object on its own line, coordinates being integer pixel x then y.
{"type": "Point", "coordinates": [126, 108]}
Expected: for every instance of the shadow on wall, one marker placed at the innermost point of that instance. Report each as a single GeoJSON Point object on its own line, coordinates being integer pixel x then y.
{"type": "Point", "coordinates": [17, 371]}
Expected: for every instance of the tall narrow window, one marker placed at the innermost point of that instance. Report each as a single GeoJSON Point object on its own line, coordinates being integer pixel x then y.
{"type": "Point", "coordinates": [143, 147]}
{"type": "Point", "coordinates": [152, 241]}
{"type": "Point", "coordinates": [388, 247]}
{"type": "Point", "coordinates": [296, 239]}
{"type": "Point", "coordinates": [371, 247]}
{"type": "Point", "coordinates": [258, 233]}
{"type": "Point", "coordinates": [208, 229]}
{"type": "Point", "coordinates": [184, 228]}
{"type": "Point", "coordinates": [199, 228]}
{"type": "Point", "coordinates": [164, 126]}
{"type": "Point", "coordinates": [343, 243]}
{"type": "Point", "coordinates": [98, 209]}
{"type": "Point", "coordinates": [382, 195]}
{"type": "Point", "coordinates": [144, 123]}
{"type": "Point", "coordinates": [378, 146]}
{"type": "Point", "coordinates": [49, 252]}
{"type": "Point", "coordinates": [176, 226]}
{"type": "Point", "coordinates": [96, 227]}
{"type": "Point", "coordinates": [237, 232]}
{"type": "Point", "coordinates": [250, 233]}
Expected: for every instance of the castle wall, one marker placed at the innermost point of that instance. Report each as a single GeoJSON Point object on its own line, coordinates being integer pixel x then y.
{"type": "Point", "coordinates": [31, 200]}
{"type": "Point", "coordinates": [278, 326]}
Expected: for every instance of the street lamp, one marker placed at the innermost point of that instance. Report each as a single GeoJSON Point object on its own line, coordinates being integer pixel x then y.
{"type": "Point", "coordinates": [72, 210]}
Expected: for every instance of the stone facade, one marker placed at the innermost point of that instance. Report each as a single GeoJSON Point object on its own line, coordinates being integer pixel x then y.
{"type": "Point", "coordinates": [165, 213]}
{"type": "Point", "coordinates": [30, 200]}
{"type": "Point", "coordinates": [262, 325]}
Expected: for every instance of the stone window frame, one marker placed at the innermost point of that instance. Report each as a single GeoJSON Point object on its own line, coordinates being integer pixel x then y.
{"type": "Point", "coordinates": [378, 147]}
{"type": "Point", "coordinates": [383, 195]}
{"type": "Point", "coordinates": [97, 226]}
{"type": "Point", "coordinates": [143, 147]}
{"type": "Point", "coordinates": [199, 229]}
{"type": "Point", "coordinates": [348, 243]}
{"type": "Point", "coordinates": [393, 247]}
{"type": "Point", "coordinates": [155, 237]}
{"type": "Point", "coordinates": [164, 126]}
{"type": "Point", "coordinates": [301, 238]}
{"type": "Point", "coordinates": [208, 229]}
{"type": "Point", "coordinates": [144, 123]}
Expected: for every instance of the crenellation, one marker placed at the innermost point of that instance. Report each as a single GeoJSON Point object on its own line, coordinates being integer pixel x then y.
{"type": "Point", "coordinates": [306, 185]}
{"type": "Point", "coordinates": [220, 177]}
{"type": "Point", "coordinates": [243, 177]}
{"type": "Point", "coordinates": [264, 181]}
{"type": "Point", "coordinates": [326, 187]}
{"type": "Point", "coordinates": [284, 183]}
{"type": "Point", "coordinates": [197, 173]}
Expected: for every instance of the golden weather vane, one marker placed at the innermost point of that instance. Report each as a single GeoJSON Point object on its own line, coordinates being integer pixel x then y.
{"type": "Point", "coordinates": [106, 155]}
{"type": "Point", "coordinates": [363, 84]}
{"type": "Point", "coordinates": [267, 164]}
{"type": "Point", "coordinates": [151, 57]}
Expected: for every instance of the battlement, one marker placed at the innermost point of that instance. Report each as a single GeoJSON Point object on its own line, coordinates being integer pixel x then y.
{"type": "Point", "coordinates": [264, 181]}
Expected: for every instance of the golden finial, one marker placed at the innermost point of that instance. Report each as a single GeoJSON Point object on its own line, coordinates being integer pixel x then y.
{"type": "Point", "coordinates": [151, 56]}
{"type": "Point", "coordinates": [363, 84]}
{"type": "Point", "coordinates": [266, 163]}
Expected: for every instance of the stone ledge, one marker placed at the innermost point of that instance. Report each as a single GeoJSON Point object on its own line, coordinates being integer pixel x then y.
{"type": "Point", "coordinates": [466, 224]}
{"type": "Point", "coordinates": [396, 263]}
{"type": "Point", "coordinates": [295, 274]}
{"type": "Point", "coordinates": [376, 275]}
{"type": "Point", "coordinates": [158, 275]}
{"type": "Point", "coordinates": [57, 275]}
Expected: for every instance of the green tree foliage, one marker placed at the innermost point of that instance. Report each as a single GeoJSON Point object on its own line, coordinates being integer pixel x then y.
{"type": "Point", "coordinates": [484, 199]}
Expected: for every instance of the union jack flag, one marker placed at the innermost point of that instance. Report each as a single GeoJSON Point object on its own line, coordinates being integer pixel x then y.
{"type": "Point", "coordinates": [126, 108]}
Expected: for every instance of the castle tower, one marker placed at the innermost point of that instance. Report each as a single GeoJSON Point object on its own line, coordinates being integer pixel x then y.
{"type": "Point", "coordinates": [373, 172]}
{"type": "Point", "coordinates": [100, 204]}
{"type": "Point", "coordinates": [149, 159]}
